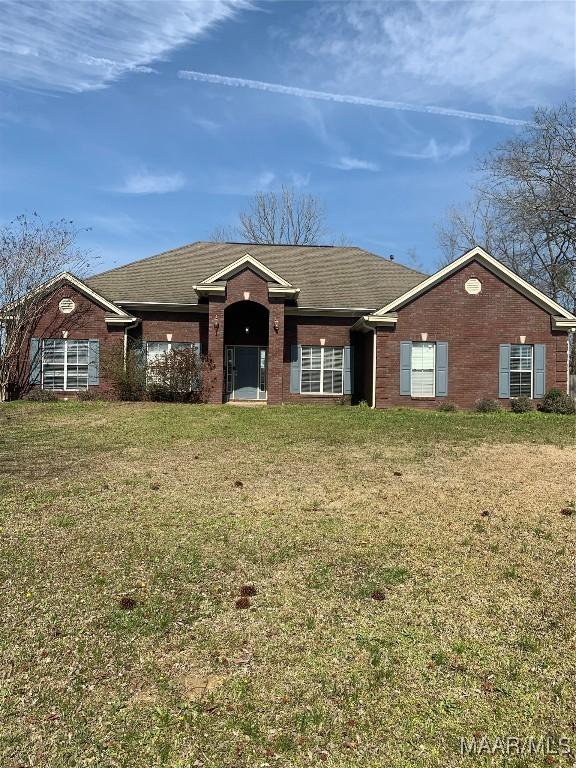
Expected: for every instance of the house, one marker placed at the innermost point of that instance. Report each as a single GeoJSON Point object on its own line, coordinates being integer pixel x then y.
{"type": "Point", "coordinates": [312, 324]}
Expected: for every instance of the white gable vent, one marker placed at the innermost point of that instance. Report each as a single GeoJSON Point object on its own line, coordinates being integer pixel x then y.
{"type": "Point", "coordinates": [66, 306]}
{"type": "Point", "coordinates": [473, 286]}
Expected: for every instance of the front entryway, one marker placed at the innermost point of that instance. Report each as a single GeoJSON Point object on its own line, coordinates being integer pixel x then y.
{"type": "Point", "coordinates": [246, 372]}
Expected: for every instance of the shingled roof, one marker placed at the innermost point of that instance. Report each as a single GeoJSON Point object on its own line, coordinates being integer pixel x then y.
{"type": "Point", "coordinates": [327, 276]}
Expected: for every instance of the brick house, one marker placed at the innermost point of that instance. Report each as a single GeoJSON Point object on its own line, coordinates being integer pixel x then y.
{"type": "Point", "coordinates": [312, 324]}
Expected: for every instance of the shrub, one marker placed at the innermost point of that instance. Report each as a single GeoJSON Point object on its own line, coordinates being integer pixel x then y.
{"type": "Point", "coordinates": [89, 394]}
{"type": "Point", "coordinates": [447, 407]}
{"type": "Point", "coordinates": [556, 401]}
{"type": "Point", "coordinates": [127, 377]}
{"type": "Point", "coordinates": [177, 377]}
{"type": "Point", "coordinates": [522, 404]}
{"type": "Point", "coordinates": [487, 405]}
{"type": "Point", "coordinates": [40, 396]}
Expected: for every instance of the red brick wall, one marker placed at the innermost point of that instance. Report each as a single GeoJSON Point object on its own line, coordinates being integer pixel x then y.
{"type": "Point", "coordinates": [246, 285]}
{"type": "Point", "coordinates": [184, 326]}
{"type": "Point", "coordinates": [474, 327]}
{"type": "Point", "coordinates": [300, 329]}
{"type": "Point", "coordinates": [86, 322]}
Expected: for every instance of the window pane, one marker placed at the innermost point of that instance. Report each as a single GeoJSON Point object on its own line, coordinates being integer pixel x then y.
{"type": "Point", "coordinates": [332, 382]}
{"type": "Point", "coordinates": [310, 381]}
{"type": "Point", "coordinates": [333, 357]}
{"type": "Point", "coordinates": [423, 365]}
{"type": "Point", "coordinates": [423, 383]}
{"type": "Point", "coordinates": [520, 383]}
{"type": "Point", "coordinates": [53, 364]}
{"type": "Point", "coordinates": [521, 357]}
{"type": "Point", "coordinates": [311, 357]}
{"type": "Point", "coordinates": [154, 349]}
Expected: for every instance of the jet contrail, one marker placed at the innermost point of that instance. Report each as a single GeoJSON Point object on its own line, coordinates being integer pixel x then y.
{"type": "Point", "coordinates": [341, 98]}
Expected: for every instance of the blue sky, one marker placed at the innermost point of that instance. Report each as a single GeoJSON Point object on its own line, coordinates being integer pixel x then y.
{"type": "Point", "coordinates": [100, 124]}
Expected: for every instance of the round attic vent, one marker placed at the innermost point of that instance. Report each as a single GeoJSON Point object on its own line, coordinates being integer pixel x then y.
{"type": "Point", "coordinates": [473, 286]}
{"type": "Point", "coordinates": [66, 306]}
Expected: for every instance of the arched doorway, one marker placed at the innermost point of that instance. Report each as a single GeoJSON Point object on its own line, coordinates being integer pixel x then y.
{"type": "Point", "coordinates": [246, 350]}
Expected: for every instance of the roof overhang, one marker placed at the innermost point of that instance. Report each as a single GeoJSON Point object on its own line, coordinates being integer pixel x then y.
{"type": "Point", "coordinates": [563, 323]}
{"type": "Point", "coordinates": [116, 313]}
{"type": "Point", "coordinates": [246, 261]}
{"type": "Point", "coordinates": [215, 285]}
{"type": "Point", "coordinates": [371, 322]}
{"type": "Point", "coordinates": [480, 255]}
{"type": "Point", "coordinates": [210, 289]}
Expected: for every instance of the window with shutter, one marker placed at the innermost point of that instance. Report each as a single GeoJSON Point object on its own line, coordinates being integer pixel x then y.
{"type": "Point", "coordinates": [322, 370]}
{"type": "Point", "coordinates": [423, 369]}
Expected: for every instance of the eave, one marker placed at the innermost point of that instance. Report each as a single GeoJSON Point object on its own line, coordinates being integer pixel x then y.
{"type": "Point", "coordinates": [371, 322]}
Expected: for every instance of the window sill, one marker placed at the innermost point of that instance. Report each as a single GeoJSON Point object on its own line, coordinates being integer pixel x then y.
{"type": "Point", "coordinates": [321, 394]}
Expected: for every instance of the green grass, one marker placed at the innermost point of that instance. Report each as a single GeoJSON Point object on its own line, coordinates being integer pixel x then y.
{"type": "Point", "coordinates": [452, 518]}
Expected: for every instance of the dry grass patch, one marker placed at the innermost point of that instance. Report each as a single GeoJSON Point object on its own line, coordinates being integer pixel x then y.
{"type": "Point", "coordinates": [474, 631]}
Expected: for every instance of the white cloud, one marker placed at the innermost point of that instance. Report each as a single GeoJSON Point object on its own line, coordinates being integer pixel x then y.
{"type": "Point", "coordinates": [355, 164]}
{"type": "Point", "coordinates": [144, 183]}
{"type": "Point", "coordinates": [435, 150]}
{"type": "Point", "coordinates": [74, 46]}
{"type": "Point", "coordinates": [488, 52]}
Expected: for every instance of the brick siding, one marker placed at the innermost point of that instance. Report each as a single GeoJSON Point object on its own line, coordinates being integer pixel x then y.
{"type": "Point", "coordinates": [474, 326]}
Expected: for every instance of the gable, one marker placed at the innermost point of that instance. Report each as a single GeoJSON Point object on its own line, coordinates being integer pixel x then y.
{"type": "Point", "coordinates": [483, 259]}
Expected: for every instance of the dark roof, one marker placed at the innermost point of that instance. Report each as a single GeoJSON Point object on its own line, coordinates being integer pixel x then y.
{"type": "Point", "coordinates": [328, 276]}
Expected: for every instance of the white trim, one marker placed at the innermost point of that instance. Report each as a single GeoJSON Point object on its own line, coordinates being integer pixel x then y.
{"type": "Point", "coordinates": [235, 266]}
{"type": "Point", "coordinates": [521, 370]}
{"type": "Point", "coordinates": [322, 349]}
{"type": "Point", "coordinates": [200, 289]}
{"type": "Point", "coordinates": [83, 288]}
{"type": "Point", "coordinates": [65, 388]}
{"type": "Point", "coordinates": [412, 369]}
{"type": "Point", "coordinates": [121, 320]}
{"type": "Point", "coordinates": [368, 322]}
{"type": "Point", "coordinates": [484, 258]}
{"type": "Point", "coordinates": [562, 323]}
{"type": "Point", "coordinates": [283, 292]}
{"type": "Point", "coordinates": [374, 369]}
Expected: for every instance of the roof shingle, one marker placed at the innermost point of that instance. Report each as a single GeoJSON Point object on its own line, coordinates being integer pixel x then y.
{"type": "Point", "coordinates": [328, 276]}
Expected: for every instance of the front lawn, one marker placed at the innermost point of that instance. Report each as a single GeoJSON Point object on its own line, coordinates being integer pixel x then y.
{"type": "Point", "coordinates": [413, 576]}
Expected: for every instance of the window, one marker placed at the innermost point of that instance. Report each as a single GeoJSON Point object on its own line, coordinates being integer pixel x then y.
{"type": "Point", "coordinates": [64, 364]}
{"type": "Point", "coordinates": [322, 370]}
{"type": "Point", "coordinates": [156, 349]}
{"type": "Point", "coordinates": [423, 369]}
{"type": "Point", "coordinates": [521, 370]}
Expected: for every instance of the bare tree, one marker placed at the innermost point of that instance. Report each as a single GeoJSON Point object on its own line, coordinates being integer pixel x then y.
{"type": "Point", "coordinates": [31, 253]}
{"type": "Point", "coordinates": [524, 209]}
{"type": "Point", "coordinates": [283, 218]}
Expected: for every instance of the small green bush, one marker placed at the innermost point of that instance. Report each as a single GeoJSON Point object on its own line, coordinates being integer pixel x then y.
{"type": "Point", "coordinates": [448, 407]}
{"type": "Point", "coordinates": [487, 405]}
{"type": "Point", "coordinates": [40, 396]}
{"type": "Point", "coordinates": [521, 404]}
{"type": "Point", "coordinates": [556, 401]}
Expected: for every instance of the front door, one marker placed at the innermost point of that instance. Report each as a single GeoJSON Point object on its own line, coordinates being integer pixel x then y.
{"type": "Point", "coordinates": [246, 373]}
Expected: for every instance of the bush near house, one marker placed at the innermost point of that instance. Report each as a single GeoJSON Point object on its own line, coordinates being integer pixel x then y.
{"type": "Point", "coordinates": [177, 376]}
{"type": "Point", "coordinates": [487, 405]}
{"type": "Point", "coordinates": [556, 401]}
{"type": "Point", "coordinates": [522, 405]}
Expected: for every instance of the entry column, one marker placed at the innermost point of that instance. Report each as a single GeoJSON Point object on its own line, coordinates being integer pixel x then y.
{"type": "Point", "coordinates": [275, 352]}
{"type": "Point", "coordinates": [216, 349]}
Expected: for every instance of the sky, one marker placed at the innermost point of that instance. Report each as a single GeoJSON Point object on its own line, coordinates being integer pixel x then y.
{"type": "Point", "coordinates": [151, 123]}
